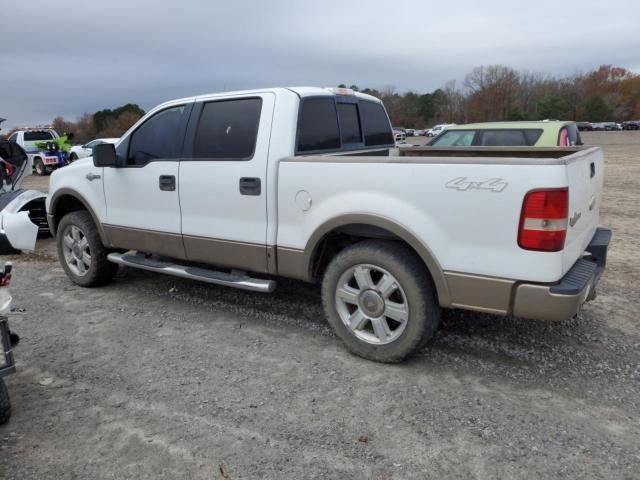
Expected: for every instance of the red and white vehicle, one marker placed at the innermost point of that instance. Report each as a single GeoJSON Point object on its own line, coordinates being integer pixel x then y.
{"type": "Point", "coordinates": [306, 183]}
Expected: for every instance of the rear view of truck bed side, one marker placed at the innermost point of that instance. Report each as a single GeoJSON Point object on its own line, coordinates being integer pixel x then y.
{"type": "Point", "coordinates": [466, 211]}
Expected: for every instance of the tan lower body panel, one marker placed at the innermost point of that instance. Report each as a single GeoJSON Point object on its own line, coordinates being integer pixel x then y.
{"type": "Point", "coordinates": [484, 294]}
{"type": "Point", "coordinates": [292, 263]}
{"type": "Point", "coordinates": [161, 243]}
{"type": "Point", "coordinates": [221, 253]}
{"type": "Point", "coordinates": [227, 253]}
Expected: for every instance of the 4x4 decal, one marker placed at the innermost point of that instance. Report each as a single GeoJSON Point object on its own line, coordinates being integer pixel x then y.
{"type": "Point", "coordinates": [463, 184]}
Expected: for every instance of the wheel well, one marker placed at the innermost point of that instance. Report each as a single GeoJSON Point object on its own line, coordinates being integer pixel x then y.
{"type": "Point", "coordinates": [66, 204]}
{"type": "Point", "coordinates": [338, 239]}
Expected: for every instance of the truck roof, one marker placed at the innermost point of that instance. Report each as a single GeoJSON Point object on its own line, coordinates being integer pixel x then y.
{"type": "Point", "coordinates": [299, 91]}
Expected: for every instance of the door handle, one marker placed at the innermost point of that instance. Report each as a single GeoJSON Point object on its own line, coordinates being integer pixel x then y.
{"type": "Point", "coordinates": [250, 186]}
{"type": "Point", "coordinates": [92, 176]}
{"type": "Point", "coordinates": [167, 183]}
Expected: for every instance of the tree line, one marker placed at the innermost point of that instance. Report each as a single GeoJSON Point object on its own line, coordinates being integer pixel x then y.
{"type": "Point", "coordinates": [498, 93]}
{"type": "Point", "coordinates": [101, 124]}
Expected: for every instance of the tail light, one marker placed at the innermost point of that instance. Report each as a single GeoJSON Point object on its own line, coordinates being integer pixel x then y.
{"type": "Point", "coordinates": [543, 221]}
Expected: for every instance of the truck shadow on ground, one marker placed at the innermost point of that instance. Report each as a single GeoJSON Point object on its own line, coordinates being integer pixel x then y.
{"type": "Point", "coordinates": [524, 349]}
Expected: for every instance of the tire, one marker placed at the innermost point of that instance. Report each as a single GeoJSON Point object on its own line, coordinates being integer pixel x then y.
{"type": "Point", "coordinates": [39, 167]}
{"type": "Point", "coordinates": [395, 308]}
{"type": "Point", "coordinates": [73, 157]}
{"type": "Point", "coordinates": [5, 403]}
{"type": "Point", "coordinates": [81, 252]}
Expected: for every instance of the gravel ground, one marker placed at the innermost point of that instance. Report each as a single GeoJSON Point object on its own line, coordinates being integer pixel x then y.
{"type": "Point", "coordinates": [155, 377]}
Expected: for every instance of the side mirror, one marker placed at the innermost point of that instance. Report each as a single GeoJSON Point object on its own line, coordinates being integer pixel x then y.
{"type": "Point", "coordinates": [104, 155]}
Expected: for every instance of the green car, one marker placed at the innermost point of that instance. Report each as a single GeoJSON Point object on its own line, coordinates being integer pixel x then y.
{"type": "Point", "coordinates": [546, 133]}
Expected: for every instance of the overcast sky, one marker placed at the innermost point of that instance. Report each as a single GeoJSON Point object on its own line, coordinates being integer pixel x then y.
{"type": "Point", "coordinates": [74, 56]}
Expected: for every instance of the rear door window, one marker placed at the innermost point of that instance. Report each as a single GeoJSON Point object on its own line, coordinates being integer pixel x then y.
{"type": "Point", "coordinates": [318, 125]}
{"type": "Point", "coordinates": [157, 138]}
{"type": "Point", "coordinates": [228, 129]}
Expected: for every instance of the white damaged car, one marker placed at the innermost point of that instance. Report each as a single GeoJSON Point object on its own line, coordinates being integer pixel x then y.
{"type": "Point", "coordinates": [22, 212]}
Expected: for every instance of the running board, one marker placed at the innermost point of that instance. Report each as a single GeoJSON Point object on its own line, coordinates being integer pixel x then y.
{"type": "Point", "coordinates": [235, 279]}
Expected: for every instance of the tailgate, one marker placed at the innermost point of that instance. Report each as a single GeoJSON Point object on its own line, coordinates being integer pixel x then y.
{"type": "Point", "coordinates": [585, 173]}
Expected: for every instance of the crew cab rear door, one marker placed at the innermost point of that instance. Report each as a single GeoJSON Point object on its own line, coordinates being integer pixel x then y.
{"type": "Point", "coordinates": [223, 188]}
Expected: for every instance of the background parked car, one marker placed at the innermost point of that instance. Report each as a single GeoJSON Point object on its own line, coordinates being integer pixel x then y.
{"type": "Point", "coordinates": [86, 150]}
{"type": "Point", "coordinates": [399, 136]}
{"type": "Point", "coordinates": [438, 129]}
{"type": "Point", "coordinates": [510, 134]}
{"type": "Point", "coordinates": [612, 126]}
{"type": "Point", "coordinates": [410, 132]}
{"type": "Point", "coordinates": [584, 126]}
{"type": "Point", "coordinates": [419, 132]}
{"type": "Point", "coordinates": [631, 125]}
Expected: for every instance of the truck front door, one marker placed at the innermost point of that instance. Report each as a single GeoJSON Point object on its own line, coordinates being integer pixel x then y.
{"type": "Point", "coordinates": [143, 209]}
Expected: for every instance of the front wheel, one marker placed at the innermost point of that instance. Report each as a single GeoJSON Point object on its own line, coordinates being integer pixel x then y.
{"type": "Point", "coordinates": [380, 300]}
{"type": "Point", "coordinates": [81, 251]}
{"type": "Point", "coordinates": [5, 403]}
{"type": "Point", "coordinates": [73, 157]}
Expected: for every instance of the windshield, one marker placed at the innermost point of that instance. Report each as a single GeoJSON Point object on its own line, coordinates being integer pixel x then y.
{"type": "Point", "coordinates": [455, 138]}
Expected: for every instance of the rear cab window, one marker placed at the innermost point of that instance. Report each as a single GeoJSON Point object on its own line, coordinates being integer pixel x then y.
{"type": "Point", "coordinates": [333, 123]}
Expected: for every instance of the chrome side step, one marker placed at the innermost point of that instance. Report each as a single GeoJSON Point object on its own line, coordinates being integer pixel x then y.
{"type": "Point", "coordinates": [235, 279]}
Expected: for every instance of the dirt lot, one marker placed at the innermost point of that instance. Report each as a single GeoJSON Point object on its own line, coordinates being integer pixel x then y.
{"type": "Point", "coordinates": [156, 377]}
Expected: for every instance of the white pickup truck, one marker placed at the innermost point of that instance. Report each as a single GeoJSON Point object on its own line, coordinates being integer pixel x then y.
{"type": "Point", "coordinates": [239, 188]}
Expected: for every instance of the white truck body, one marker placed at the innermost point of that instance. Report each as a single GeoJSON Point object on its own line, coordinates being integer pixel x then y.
{"type": "Point", "coordinates": [458, 209]}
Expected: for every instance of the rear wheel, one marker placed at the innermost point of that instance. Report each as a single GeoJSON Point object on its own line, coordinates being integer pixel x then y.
{"type": "Point", "coordinates": [39, 167]}
{"type": "Point", "coordinates": [81, 252]}
{"type": "Point", "coordinates": [5, 404]}
{"type": "Point", "coordinates": [380, 300]}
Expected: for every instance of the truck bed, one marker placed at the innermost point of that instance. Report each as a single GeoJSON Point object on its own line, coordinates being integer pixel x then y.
{"type": "Point", "coordinates": [464, 202]}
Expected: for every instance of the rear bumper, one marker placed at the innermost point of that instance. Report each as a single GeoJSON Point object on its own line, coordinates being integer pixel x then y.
{"type": "Point", "coordinates": [563, 300]}
{"type": "Point", "coordinates": [542, 301]}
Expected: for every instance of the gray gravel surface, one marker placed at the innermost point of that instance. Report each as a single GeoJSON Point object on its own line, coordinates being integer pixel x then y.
{"type": "Point", "coordinates": [156, 377]}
